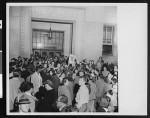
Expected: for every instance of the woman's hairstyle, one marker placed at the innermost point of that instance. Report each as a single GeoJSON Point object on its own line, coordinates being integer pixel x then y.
{"type": "Point", "coordinates": [111, 72]}
{"type": "Point", "coordinates": [49, 83]}
{"type": "Point", "coordinates": [62, 73]}
{"type": "Point", "coordinates": [105, 66]}
{"type": "Point", "coordinates": [31, 68]}
{"type": "Point", "coordinates": [69, 77]}
{"type": "Point", "coordinates": [52, 70]}
{"type": "Point", "coordinates": [64, 99]}
{"type": "Point", "coordinates": [64, 80]}
{"type": "Point", "coordinates": [22, 86]}
{"type": "Point", "coordinates": [111, 66]}
{"type": "Point", "coordinates": [17, 73]}
{"type": "Point", "coordinates": [58, 71]}
{"type": "Point", "coordinates": [25, 86]}
{"type": "Point", "coordinates": [103, 101]}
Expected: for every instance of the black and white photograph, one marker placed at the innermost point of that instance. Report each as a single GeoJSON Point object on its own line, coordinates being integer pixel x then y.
{"type": "Point", "coordinates": [66, 59]}
{"type": "Point", "coordinates": [63, 59]}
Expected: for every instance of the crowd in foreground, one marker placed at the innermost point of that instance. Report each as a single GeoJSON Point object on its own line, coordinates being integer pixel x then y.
{"type": "Point", "coordinates": [51, 84]}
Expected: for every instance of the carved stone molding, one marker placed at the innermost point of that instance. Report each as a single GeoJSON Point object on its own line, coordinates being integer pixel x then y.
{"type": "Point", "coordinates": [58, 13]}
{"type": "Point", "coordinates": [22, 31]}
{"type": "Point", "coordinates": [52, 13]}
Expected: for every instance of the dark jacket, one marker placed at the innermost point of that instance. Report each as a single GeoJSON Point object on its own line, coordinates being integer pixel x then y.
{"type": "Point", "coordinates": [45, 76]}
{"type": "Point", "coordinates": [63, 109]}
{"type": "Point", "coordinates": [45, 105]}
{"type": "Point", "coordinates": [56, 81]}
{"type": "Point", "coordinates": [100, 109]}
{"type": "Point", "coordinates": [41, 93]}
{"type": "Point", "coordinates": [55, 65]}
{"type": "Point", "coordinates": [25, 74]}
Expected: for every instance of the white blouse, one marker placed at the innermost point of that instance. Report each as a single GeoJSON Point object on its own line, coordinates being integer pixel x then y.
{"type": "Point", "coordinates": [82, 96]}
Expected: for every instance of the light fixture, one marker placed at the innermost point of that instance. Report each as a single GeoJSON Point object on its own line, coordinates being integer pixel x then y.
{"type": "Point", "coordinates": [39, 45]}
{"type": "Point", "coordinates": [50, 33]}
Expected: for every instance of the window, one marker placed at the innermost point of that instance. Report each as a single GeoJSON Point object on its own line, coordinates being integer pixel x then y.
{"type": "Point", "coordinates": [40, 40]}
{"type": "Point", "coordinates": [108, 36]}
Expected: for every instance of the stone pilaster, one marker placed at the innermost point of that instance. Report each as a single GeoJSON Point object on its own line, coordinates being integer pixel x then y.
{"type": "Point", "coordinates": [25, 32]}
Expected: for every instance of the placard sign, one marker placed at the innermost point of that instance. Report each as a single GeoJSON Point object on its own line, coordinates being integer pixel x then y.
{"type": "Point", "coordinates": [71, 59]}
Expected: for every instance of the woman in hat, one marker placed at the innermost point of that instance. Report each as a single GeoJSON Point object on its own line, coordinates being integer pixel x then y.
{"type": "Point", "coordinates": [45, 105]}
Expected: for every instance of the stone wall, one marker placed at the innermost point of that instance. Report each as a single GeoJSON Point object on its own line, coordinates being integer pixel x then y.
{"type": "Point", "coordinates": [87, 28]}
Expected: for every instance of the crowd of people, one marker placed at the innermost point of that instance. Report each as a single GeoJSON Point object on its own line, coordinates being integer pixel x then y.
{"type": "Point", "coordinates": [52, 84]}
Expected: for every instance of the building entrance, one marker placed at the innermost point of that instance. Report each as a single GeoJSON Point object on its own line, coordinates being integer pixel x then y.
{"type": "Point", "coordinates": [44, 46]}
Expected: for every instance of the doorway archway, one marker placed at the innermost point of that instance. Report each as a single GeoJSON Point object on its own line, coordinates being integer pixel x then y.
{"type": "Point", "coordinates": [61, 42]}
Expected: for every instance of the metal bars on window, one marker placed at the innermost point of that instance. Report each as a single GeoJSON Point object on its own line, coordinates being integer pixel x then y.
{"type": "Point", "coordinates": [108, 37]}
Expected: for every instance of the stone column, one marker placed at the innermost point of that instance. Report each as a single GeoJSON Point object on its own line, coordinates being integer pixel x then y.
{"type": "Point", "coordinates": [25, 32]}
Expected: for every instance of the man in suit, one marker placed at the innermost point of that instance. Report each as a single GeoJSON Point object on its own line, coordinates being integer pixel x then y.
{"type": "Point", "coordinates": [63, 90]}
{"type": "Point", "coordinates": [62, 102]}
{"type": "Point", "coordinates": [55, 80]}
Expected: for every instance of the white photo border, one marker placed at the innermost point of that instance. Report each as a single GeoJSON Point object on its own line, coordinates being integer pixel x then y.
{"type": "Point", "coordinates": [124, 109]}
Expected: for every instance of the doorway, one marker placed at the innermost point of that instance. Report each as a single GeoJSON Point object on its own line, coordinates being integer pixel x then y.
{"type": "Point", "coordinates": [61, 41]}
{"type": "Point", "coordinates": [43, 46]}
